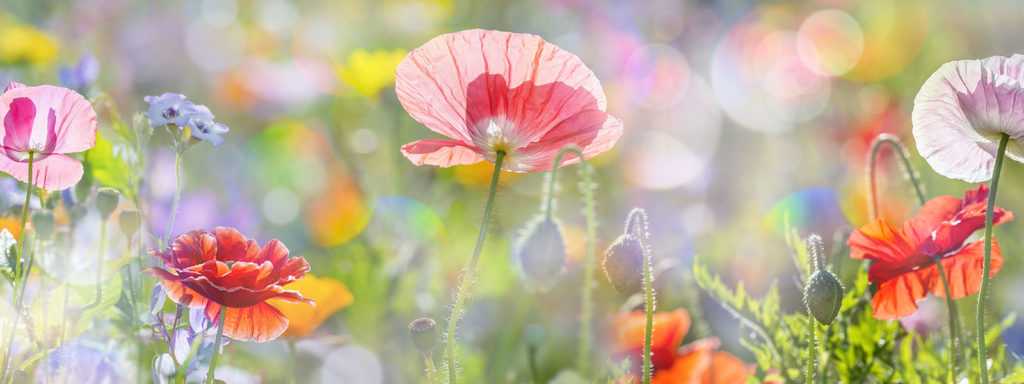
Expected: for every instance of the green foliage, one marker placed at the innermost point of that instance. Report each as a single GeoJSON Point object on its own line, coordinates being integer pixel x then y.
{"type": "Point", "coordinates": [109, 169]}
{"type": "Point", "coordinates": [856, 348]}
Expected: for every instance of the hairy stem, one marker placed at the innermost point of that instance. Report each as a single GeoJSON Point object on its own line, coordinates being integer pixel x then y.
{"type": "Point", "coordinates": [216, 345]}
{"type": "Point", "coordinates": [467, 279]}
{"type": "Point", "coordinates": [987, 269]}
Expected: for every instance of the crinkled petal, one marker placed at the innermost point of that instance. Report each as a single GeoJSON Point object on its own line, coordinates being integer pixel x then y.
{"type": "Point", "coordinates": [259, 323]}
{"type": "Point", "coordinates": [53, 172]}
{"type": "Point", "coordinates": [72, 117]}
{"type": "Point", "coordinates": [442, 153]}
{"type": "Point", "coordinates": [964, 270]}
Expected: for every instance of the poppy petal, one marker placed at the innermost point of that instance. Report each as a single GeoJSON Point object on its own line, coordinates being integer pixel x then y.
{"type": "Point", "coordinates": [964, 270]}
{"type": "Point", "coordinates": [441, 153]}
{"type": "Point", "coordinates": [232, 246]}
{"type": "Point", "coordinates": [53, 172]}
{"type": "Point", "coordinates": [183, 295]}
{"type": "Point", "coordinates": [259, 323]}
{"type": "Point", "coordinates": [897, 297]}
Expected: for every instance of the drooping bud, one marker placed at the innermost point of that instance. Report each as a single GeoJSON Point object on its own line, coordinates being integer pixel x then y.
{"type": "Point", "coordinates": [106, 201]}
{"type": "Point", "coordinates": [128, 220]}
{"type": "Point", "coordinates": [424, 334]}
{"type": "Point", "coordinates": [823, 293]}
{"type": "Point", "coordinates": [43, 222]}
{"type": "Point", "coordinates": [541, 253]}
{"type": "Point", "coordinates": [624, 263]}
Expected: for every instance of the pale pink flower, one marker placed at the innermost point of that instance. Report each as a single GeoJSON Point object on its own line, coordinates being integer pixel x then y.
{"type": "Point", "coordinates": [963, 110]}
{"type": "Point", "coordinates": [48, 122]}
{"type": "Point", "coordinates": [493, 91]}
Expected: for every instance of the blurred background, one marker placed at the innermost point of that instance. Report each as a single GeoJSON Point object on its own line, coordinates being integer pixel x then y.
{"type": "Point", "coordinates": [742, 118]}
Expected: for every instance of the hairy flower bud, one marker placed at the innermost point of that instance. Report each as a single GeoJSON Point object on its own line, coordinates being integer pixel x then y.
{"type": "Point", "coordinates": [624, 263]}
{"type": "Point", "coordinates": [424, 334]}
{"type": "Point", "coordinates": [823, 296]}
{"type": "Point", "coordinates": [541, 253]}
{"type": "Point", "coordinates": [106, 201]}
{"type": "Point", "coordinates": [128, 220]}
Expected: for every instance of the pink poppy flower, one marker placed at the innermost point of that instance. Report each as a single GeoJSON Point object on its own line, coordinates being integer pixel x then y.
{"type": "Point", "coordinates": [493, 91]}
{"type": "Point", "coordinates": [963, 110]}
{"type": "Point", "coordinates": [48, 122]}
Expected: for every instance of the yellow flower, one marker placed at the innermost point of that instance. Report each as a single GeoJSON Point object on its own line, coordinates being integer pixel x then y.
{"type": "Point", "coordinates": [24, 44]}
{"type": "Point", "coordinates": [369, 72]}
{"type": "Point", "coordinates": [330, 296]}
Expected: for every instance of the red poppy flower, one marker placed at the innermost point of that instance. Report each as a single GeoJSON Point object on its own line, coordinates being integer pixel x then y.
{"type": "Point", "coordinates": [223, 268]}
{"type": "Point", "coordinates": [491, 91]}
{"type": "Point", "coordinates": [904, 258]}
{"type": "Point", "coordinates": [698, 362]}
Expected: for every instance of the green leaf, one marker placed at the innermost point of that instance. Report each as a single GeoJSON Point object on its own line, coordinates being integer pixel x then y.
{"type": "Point", "coordinates": [109, 169]}
{"type": "Point", "coordinates": [8, 254]}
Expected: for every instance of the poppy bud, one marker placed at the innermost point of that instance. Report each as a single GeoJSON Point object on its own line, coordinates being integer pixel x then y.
{"type": "Point", "coordinates": [43, 222]}
{"type": "Point", "coordinates": [128, 220]}
{"type": "Point", "coordinates": [106, 201]}
{"type": "Point", "coordinates": [823, 293]}
{"type": "Point", "coordinates": [534, 335]}
{"type": "Point", "coordinates": [424, 334]}
{"type": "Point", "coordinates": [82, 190]}
{"type": "Point", "coordinates": [541, 253]}
{"type": "Point", "coordinates": [624, 263]}
{"type": "Point", "coordinates": [823, 296]}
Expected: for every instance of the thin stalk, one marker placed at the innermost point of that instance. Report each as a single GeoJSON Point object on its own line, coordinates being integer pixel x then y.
{"type": "Point", "coordinates": [811, 347]}
{"type": "Point", "coordinates": [987, 269]}
{"type": "Point", "coordinates": [18, 280]}
{"type": "Point", "coordinates": [531, 359]}
{"type": "Point", "coordinates": [174, 203]}
{"type": "Point", "coordinates": [216, 345]}
{"type": "Point", "coordinates": [428, 360]}
{"type": "Point", "coordinates": [586, 307]}
{"type": "Point", "coordinates": [467, 279]}
{"type": "Point", "coordinates": [649, 308]}
{"type": "Point", "coordinates": [955, 330]}
{"type": "Point", "coordinates": [99, 266]}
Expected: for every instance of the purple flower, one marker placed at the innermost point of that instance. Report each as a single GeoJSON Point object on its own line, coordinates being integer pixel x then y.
{"type": "Point", "coordinates": [962, 112]}
{"type": "Point", "coordinates": [82, 74]}
{"type": "Point", "coordinates": [203, 127]}
{"type": "Point", "coordinates": [169, 108]}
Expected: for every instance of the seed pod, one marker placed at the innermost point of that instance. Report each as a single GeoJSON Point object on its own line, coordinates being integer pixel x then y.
{"type": "Point", "coordinates": [624, 263]}
{"type": "Point", "coordinates": [823, 296]}
{"type": "Point", "coordinates": [43, 222]}
{"type": "Point", "coordinates": [128, 220]}
{"type": "Point", "coordinates": [424, 334]}
{"type": "Point", "coordinates": [541, 253]}
{"type": "Point", "coordinates": [106, 201]}
{"type": "Point", "coordinates": [534, 335]}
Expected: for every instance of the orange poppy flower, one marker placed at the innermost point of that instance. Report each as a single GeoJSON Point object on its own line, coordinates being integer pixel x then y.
{"type": "Point", "coordinates": [223, 268]}
{"type": "Point", "coordinates": [330, 296]}
{"type": "Point", "coordinates": [698, 362]}
{"type": "Point", "coordinates": [904, 258]}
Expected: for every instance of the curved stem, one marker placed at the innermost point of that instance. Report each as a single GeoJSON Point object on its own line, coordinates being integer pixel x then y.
{"type": "Point", "coordinates": [987, 270]}
{"type": "Point", "coordinates": [583, 350]}
{"type": "Point", "coordinates": [955, 330]}
{"type": "Point", "coordinates": [467, 279]}
{"type": "Point", "coordinates": [216, 345]}
{"type": "Point", "coordinates": [649, 308]}
{"type": "Point", "coordinates": [18, 280]}
{"type": "Point", "coordinates": [900, 150]}
{"type": "Point", "coordinates": [174, 203]}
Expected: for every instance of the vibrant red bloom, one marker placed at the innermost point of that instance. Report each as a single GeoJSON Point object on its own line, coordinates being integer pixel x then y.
{"type": "Point", "coordinates": [696, 363]}
{"type": "Point", "coordinates": [493, 91]}
{"type": "Point", "coordinates": [223, 268]}
{"type": "Point", "coordinates": [904, 259]}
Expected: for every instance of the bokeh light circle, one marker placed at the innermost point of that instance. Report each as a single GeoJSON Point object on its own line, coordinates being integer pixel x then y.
{"type": "Point", "coordinates": [830, 42]}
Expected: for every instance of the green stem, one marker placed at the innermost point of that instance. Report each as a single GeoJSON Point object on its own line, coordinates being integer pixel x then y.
{"type": "Point", "coordinates": [649, 308]}
{"type": "Point", "coordinates": [428, 360]}
{"type": "Point", "coordinates": [531, 359]}
{"type": "Point", "coordinates": [99, 266]}
{"type": "Point", "coordinates": [586, 307]}
{"type": "Point", "coordinates": [18, 280]}
{"type": "Point", "coordinates": [174, 203]}
{"type": "Point", "coordinates": [987, 270]}
{"type": "Point", "coordinates": [955, 330]}
{"type": "Point", "coordinates": [467, 279]}
{"type": "Point", "coordinates": [811, 347]}
{"type": "Point", "coordinates": [216, 345]}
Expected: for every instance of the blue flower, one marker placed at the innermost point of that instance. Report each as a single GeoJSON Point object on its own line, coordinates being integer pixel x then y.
{"type": "Point", "coordinates": [203, 127]}
{"type": "Point", "coordinates": [82, 74]}
{"type": "Point", "coordinates": [169, 108]}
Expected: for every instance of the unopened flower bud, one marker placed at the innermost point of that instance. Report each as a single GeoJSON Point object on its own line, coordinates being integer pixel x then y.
{"type": "Point", "coordinates": [534, 335]}
{"type": "Point", "coordinates": [43, 222]}
{"type": "Point", "coordinates": [823, 296]}
{"type": "Point", "coordinates": [541, 253]}
{"type": "Point", "coordinates": [128, 220]}
{"type": "Point", "coordinates": [624, 263]}
{"type": "Point", "coordinates": [823, 293]}
{"type": "Point", "coordinates": [106, 201]}
{"type": "Point", "coordinates": [424, 334]}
